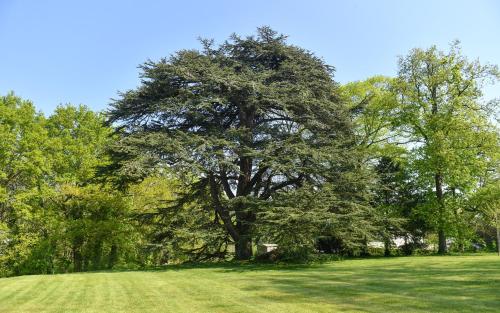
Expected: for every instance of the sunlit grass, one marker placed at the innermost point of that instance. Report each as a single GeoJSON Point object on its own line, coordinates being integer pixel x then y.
{"type": "Point", "coordinates": [406, 284]}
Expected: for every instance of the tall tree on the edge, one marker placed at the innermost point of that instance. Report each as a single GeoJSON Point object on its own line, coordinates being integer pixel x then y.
{"type": "Point", "coordinates": [246, 120]}
{"type": "Point", "coordinates": [441, 110]}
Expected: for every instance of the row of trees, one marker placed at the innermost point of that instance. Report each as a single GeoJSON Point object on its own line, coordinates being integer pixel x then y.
{"type": "Point", "coordinates": [431, 127]}
{"type": "Point", "coordinates": [247, 142]}
{"type": "Point", "coordinates": [53, 218]}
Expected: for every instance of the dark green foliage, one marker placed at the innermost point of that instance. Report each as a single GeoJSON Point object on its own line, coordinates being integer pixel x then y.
{"type": "Point", "coordinates": [397, 203]}
{"type": "Point", "coordinates": [253, 120]}
{"type": "Point", "coordinates": [178, 225]}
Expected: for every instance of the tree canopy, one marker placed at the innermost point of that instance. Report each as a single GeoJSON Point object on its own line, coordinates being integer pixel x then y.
{"type": "Point", "coordinates": [441, 111]}
{"type": "Point", "coordinates": [251, 119]}
{"type": "Point", "coordinates": [250, 142]}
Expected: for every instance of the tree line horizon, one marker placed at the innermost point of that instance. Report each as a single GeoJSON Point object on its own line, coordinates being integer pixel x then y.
{"type": "Point", "coordinates": [253, 141]}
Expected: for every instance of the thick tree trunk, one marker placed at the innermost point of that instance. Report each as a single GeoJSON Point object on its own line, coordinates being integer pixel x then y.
{"type": "Point", "coordinates": [244, 218]}
{"type": "Point", "coordinates": [387, 247]}
{"type": "Point", "coordinates": [442, 241]}
{"type": "Point", "coordinates": [440, 200]}
{"type": "Point", "coordinates": [243, 248]}
{"type": "Point", "coordinates": [243, 245]}
{"type": "Point", "coordinates": [241, 232]}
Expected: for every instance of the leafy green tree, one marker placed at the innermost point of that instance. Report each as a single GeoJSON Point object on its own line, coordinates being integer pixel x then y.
{"type": "Point", "coordinates": [442, 113]}
{"type": "Point", "coordinates": [486, 199]}
{"type": "Point", "coordinates": [53, 218]}
{"type": "Point", "coordinates": [251, 119]}
{"type": "Point", "coordinates": [173, 234]}
{"type": "Point", "coordinates": [22, 144]}
{"type": "Point", "coordinates": [373, 108]}
{"type": "Point", "coordinates": [78, 139]}
{"type": "Point", "coordinates": [23, 165]}
{"type": "Point", "coordinates": [390, 200]}
{"type": "Point", "coordinates": [489, 201]}
{"type": "Point", "coordinates": [94, 230]}
{"type": "Point", "coordinates": [94, 218]}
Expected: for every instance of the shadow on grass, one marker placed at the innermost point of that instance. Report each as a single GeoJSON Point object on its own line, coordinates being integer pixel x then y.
{"type": "Point", "coordinates": [222, 266]}
{"type": "Point", "coordinates": [396, 284]}
{"type": "Point", "coordinates": [243, 266]}
{"type": "Point", "coordinates": [469, 287]}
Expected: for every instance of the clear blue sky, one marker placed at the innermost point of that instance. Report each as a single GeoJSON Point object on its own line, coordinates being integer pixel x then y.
{"type": "Point", "coordinates": [59, 51]}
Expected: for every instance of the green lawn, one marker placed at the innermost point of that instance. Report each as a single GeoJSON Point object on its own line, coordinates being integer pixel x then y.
{"type": "Point", "coordinates": [406, 284]}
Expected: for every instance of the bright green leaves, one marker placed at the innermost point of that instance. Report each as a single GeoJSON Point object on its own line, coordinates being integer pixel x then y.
{"type": "Point", "coordinates": [440, 106]}
{"type": "Point", "coordinates": [373, 107]}
{"type": "Point", "coordinates": [50, 212]}
{"type": "Point", "coordinates": [77, 143]}
{"type": "Point", "coordinates": [22, 145]}
{"type": "Point", "coordinates": [432, 122]}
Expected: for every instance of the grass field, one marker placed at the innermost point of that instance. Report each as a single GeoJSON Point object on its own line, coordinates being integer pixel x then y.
{"type": "Point", "coordinates": [406, 284]}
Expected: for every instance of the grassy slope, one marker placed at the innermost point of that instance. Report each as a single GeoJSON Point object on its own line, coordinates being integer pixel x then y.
{"type": "Point", "coordinates": [407, 284]}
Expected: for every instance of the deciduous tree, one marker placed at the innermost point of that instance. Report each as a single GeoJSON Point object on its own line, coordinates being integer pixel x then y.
{"type": "Point", "coordinates": [442, 113]}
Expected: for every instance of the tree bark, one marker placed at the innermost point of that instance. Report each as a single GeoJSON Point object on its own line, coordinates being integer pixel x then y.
{"type": "Point", "coordinates": [387, 247]}
{"type": "Point", "coordinates": [243, 246]}
{"type": "Point", "coordinates": [244, 218]}
{"type": "Point", "coordinates": [439, 196]}
{"type": "Point", "coordinates": [220, 210]}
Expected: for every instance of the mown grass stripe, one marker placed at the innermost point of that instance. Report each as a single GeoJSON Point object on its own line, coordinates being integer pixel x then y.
{"type": "Point", "coordinates": [408, 284]}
